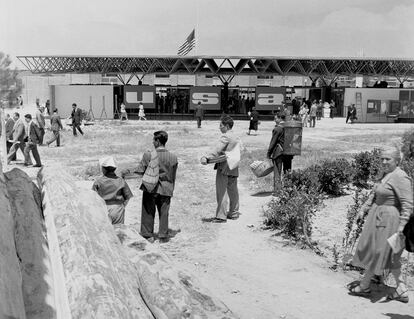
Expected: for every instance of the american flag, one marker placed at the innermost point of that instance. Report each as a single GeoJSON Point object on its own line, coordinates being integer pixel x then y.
{"type": "Point", "coordinates": [188, 44]}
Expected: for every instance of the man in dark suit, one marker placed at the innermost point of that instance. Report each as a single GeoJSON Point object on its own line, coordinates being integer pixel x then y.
{"type": "Point", "coordinates": [33, 139]}
{"type": "Point", "coordinates": [18, 140]}
{"type": "Point", "coordinates": [55, 126]}
{"type": "Point", "coordinates": [199, 113]}
{"type": "Point", "coordinates": [40, 120]}
{"type": "Point", "coordinates": [226, 178]}
{"type": "Point", "coordinates": [9, 134]}
{"type": "Point", "coordinates": [76, 119]}
{"type": "Point", "coordinates": [160, 197]}
{"type": "Point", "coordinates": [275, 152]}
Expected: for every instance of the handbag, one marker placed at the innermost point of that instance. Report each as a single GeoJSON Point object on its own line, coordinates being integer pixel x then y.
{"type": "Point", "coordinates": [152, 173]}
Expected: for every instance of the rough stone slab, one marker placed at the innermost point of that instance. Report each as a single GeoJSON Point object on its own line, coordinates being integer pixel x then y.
{"type": "Point", "coordinates": [169, 292]}
{"type": "Point", "coordinates": [99, 280]}
{"type": "Point", "coordinates": [11, 296]}
{"type": "Point", "coordinates": [31, 245]}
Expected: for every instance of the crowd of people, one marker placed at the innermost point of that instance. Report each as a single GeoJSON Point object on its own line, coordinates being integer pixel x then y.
{"type": "Point", "coordinates": [388, 208]}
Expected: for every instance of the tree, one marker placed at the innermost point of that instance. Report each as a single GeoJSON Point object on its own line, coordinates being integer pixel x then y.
{"type": "Point", "coordinates": [10, 85]}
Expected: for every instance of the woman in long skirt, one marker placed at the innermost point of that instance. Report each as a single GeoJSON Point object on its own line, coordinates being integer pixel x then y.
{"type": "Point", "coordinates": [389, 209]}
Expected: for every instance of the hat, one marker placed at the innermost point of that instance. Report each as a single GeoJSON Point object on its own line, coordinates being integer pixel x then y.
{"type": "Point", "coordinates": [107, 162]}
{"type": "Point", "coordinates": [28, 116]}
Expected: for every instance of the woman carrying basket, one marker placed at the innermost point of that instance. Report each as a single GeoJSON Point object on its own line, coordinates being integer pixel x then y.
{"type": "Point", "coordinates": [389, 208]}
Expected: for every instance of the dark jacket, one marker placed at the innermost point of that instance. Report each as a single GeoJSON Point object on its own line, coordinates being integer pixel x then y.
{"type": "Point", "coordinates": [9, 129]}
{"type": "Point", "coordinates": [168, 164]}
{"type": "Point", "coordinates": [55, 123]}
{"type": "Point", "coordinates": [76, 116]}
{"type": "Point", "coordinates": [254, 116]}
{"type": "Point", "coordinates": [33, 133]}
{"type": "Point", "coordinates": [278, 137]}
{"type": "Point", "coordinates": [199, 111]}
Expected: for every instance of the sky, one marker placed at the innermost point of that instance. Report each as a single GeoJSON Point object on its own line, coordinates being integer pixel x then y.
{"type": "Point", "coordinates": [300, 28]}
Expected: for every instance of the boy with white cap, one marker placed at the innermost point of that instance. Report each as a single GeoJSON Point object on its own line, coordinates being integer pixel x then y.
{"type": "Point", "coordinates": [113, 189]}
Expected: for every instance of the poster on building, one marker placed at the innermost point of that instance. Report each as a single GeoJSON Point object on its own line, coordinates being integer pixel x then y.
{"type": "Point", "coordinates": [269, 98]}
{"type": "Point", "coordinates": [210, 97]}
{"type": "Point", "coordinates": [134, 94]}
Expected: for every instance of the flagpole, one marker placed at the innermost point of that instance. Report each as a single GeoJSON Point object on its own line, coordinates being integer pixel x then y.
{"type": "Point", "coordinates": [196, 28]}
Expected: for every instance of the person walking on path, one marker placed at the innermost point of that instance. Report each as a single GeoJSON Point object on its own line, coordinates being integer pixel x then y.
{"type": "Point", "coordinates": [199, 114]}
{"type": "Point", "coordinates": [254, 120]}
{"type": "Point", "coordinates": [113, 190]}
{"type": "Point", "coordinates": [9, 134]}
{"type": "Point", "coordinates": [55, 126]}
{"type": "Point", "coordinates": [141, 113]}
{"type": "Point", "coordinates": [389, 208]}
{"type": "Point", "coordinates": [124, 114]}
{"type": "Point", "coordinates": [33, 139]}
{"type": "Point", "coordinates": [351, 114]}
{"type": "Point", "coordinates": [40, 121]}
{"type": "Point", "coordinates": [312, 113]}
{"type": "Point", "coordinates": [76, 119]}
{"type": "Point", "coordinates": [226, 178]}
{"type": "Point", "coordinates": [18, 141]}
{"type": "Point", "coordinates": [160, 197]}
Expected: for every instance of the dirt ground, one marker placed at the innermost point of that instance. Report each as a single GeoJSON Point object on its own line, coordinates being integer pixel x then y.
{"type": "Point", "coordinates": [258, 275]}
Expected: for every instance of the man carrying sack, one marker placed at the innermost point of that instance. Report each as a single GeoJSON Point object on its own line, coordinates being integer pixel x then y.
{"type": "Point", "coordinates": [159, 170]}
{"type": "Point", "coordinates": [275, 152]}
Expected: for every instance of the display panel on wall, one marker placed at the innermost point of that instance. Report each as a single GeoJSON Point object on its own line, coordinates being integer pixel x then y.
{"type": "Point", "coordinates": [269, 98]}
{"type": "Point", "coordinates": [210, 97]}
{"type": "Point", "coordinates": [134, 94]}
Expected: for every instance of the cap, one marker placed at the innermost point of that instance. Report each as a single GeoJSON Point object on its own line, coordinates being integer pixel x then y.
{"type": "Point", "coordinates": [107, 162]}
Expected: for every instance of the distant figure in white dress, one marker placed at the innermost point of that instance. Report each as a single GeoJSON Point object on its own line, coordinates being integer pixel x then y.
{"type": "Point", "coordinates": [124, 114]}
{"type": "Point", "coordinates": [141, 114]}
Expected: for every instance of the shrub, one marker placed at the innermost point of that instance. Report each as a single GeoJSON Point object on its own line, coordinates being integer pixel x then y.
{"type": "Point", "coordinates": [366, 166]}
{"type": "Point", "coordinates": [408, 144]}
{"type": "Point", "coordinates": [292, 211]}
{"type": "Point", "coordinates": [334, 175]}
{"type": "Point", "coordinates": [305, 179]}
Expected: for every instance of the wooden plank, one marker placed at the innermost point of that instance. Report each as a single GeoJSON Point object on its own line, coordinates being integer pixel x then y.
{"type": "Point", "coordinates": [168, 291]}
{"type": "Point", "coordinates": [99, 279]}
{"type": "Point", "coordinates": [11, 296]}
{"type": "Point", "coordinates": [31, 245]}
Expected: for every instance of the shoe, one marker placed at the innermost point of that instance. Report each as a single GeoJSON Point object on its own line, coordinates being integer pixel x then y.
{"type": "Point", "coordinates": [234, 216]}
{"type": "Point", "coordinates": [401, 297]}
{"type": "Point", "coordinates": [164, 240]}
{"type": "Point", "coordinates": [25, 164]}
{"type": "Point", "coordinates": [356, 290]}
{"type": "Point", "coordinates": [218, 220]}
{"type": "Point", "coordinates": [37, 165]}
{"type": "Point", "coordinates": [150, 239]}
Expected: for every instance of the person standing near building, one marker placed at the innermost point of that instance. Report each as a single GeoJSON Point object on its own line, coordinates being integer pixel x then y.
{"type": "Point", "coordinates": [18, 141]}
{"type": "Point", "coordinates": [9, 134]}
{"type": "Point", "coordinates": [55, 126]}
{"type": "Point", "coordinates": [160, 197]}
{"type": "Point", "coordinates": [141, 113]}
{"type": "Point", "coordinates": [40, 121]}
{"type": "Point", "coordinates": [332, 109]}
{"type": "Point", "coordinates": [76, 119]}
{"type": "Point", "coordinates": [113, 190]}
{"type": "Point", "coordinates": [303, 113]}
{"type": "Point", "coordinates": [312, 113]}
{"type": "Point", "coordinates": [199, 113]}
{"type": "Point", "coordinates": [33, 139]}
{"type": "Point", "coordinates": [124, 114]}
{"type": "Point", "coordinates": [254, 120]}
{"type": "Point", "coordinates": [275, 153]}
{"type": "Point", "coordinates": [226, 178]}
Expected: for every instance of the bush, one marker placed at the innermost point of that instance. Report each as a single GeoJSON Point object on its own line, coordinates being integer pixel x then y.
{"type": "Point", "coordinates": [366, 166]}
{"type": "Point", "coordinates": [306, 179]}
{"type": "Point", "coordinates": [334, 175]}
{"type": "Point", "coordinates": [292, 211]}
{"type": "Point", "coordinates": [408, 144]}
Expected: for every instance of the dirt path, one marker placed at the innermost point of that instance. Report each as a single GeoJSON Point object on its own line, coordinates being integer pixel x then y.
{"type": "Point", "coordinates": [259, 278]}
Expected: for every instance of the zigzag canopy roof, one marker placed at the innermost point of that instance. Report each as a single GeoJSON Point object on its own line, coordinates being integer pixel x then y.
{"type": "Point", "coordinates": [220, 65]}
